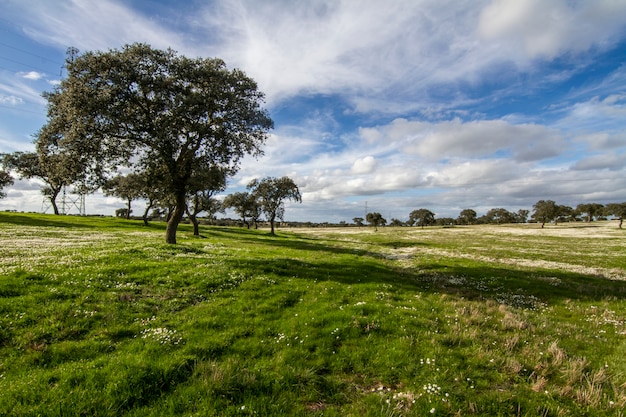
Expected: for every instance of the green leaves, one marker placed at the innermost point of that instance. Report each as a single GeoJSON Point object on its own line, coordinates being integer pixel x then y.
{"type": "Point", "coordinates": [158, 112]}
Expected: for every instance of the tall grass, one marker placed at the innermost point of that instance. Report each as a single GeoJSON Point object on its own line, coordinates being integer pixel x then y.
{"type": "Point", "coordinates": [98, 317]}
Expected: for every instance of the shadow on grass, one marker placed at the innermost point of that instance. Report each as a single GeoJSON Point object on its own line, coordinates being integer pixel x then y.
{"type": "Point", "coordinates": [519, 288]}
{"type": "Point", "coordinates": [291, 242]}
{"type": "Point", "coordinates": [359, 266]}
{"type": "Point", "coordinates": [75, 222]}
{"type": "Point", "coordinates": [547, 285]}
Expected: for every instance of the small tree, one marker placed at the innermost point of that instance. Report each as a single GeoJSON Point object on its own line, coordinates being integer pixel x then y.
{"type": "Point", "coordinates": [128, 187]}
{"type": "Point", "coordinates": [422, 217]}
{"type": "Point", "coordinates": [396, 222]}
{"type": "Point", "coordinates": [500, 216]}
{"type": "Point", "coordinates": [245, 205]}
{"type": "Point", "coordinates": [375, 219]}
{"type": "Point", "coordinates": [467, 216]}
{"type": "Point", "coordinates": [590, 210]}
{"type": "Point", "coordinates": [358, 221]}
{"type": "Point", "coordinates": [521, 216]}
{"type": "Point", "coordinates": [272, 193]}
{"type": "Point", "coordinates": [56, 169]}
{"type": "Point", "coordinates": [545, 211]}
{"type": "Point", "coordinates": [618, 210]}
{"type": "Point", "coordinates": [205, 183]}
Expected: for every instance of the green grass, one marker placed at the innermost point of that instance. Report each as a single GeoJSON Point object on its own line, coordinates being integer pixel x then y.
{"type": "Point", "coordinates": [99, 317]}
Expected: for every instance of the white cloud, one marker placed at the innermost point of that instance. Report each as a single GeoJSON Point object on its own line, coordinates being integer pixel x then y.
{"type": "Point", "coordinates": [365, 165]}
{"type": "Point", "coordinates": [90, 25]}
{"type": "Point", "coordinates": [31, 75]}
{"type": "Point", "coordinates": [476, 139]}
{"type": "Point", "coordinates": [545, 29]}
{"type": "Point", "coordinates": [610, 161]}
{"type": "Point", "coordinates": [12, 100]}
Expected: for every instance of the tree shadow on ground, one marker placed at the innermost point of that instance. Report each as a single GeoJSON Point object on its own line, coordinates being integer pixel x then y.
{"type": "Point", "coordinates": [504, 285]}
{"type": "Point", "coordinates": [293, 242]}
{"type": "Point", "coordinates": [353, 266]}
{"type": "Point", "coordinates": [76, 222]}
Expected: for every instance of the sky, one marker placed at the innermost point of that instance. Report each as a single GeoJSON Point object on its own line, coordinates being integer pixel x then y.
{"type": "Point", "coordinates": [378, 106]}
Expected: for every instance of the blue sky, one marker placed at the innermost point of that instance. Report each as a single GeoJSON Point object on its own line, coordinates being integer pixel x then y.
{"type": "Point", "coordinates": [395, 105]}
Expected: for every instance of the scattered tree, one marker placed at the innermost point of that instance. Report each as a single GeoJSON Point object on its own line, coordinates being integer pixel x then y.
{"type": "Point", "coordinates": [467, 216]}
{"type": "Point", "coordinates": [375, 219]}
{"type": "Point", "coordinates": [590, 210]}
{"type": "Point", "coordinates": [245, 205]}
{"type": "Point", "coordinates": [422, 217]}
{"type": "Point", "coordinates": [123, 212]}
{"type": "Point", "coordinates": [499, 216]}
{"type": "Point", "coordinates": [444, 221]}
{"type": "Point", "coordinates": [156, 110]}
{"type": "Point", "coordinates": [128, 187]}
{"type": "Point", "coordinates": [55, 168]}
{"type": "Point", "coordinates": [565, 214]}
{"type": "Point", "coordinates": [205, 183]}
{"type": "Point", "coordinates": [545, 211]}
{"type": "Point", "coordinates": [271, 194]}
{"type": "Point", "coordinates": [358, 221]}
{"type": "Point", "coordinates": [618, 210]}
{"type": "Point", "coordinates": [396, 222]}
{"type": "Point", "coordinates": [521, 216]}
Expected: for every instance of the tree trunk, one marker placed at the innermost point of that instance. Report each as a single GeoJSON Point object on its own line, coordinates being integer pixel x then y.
{"type": "Point", "coordinates": [175, 218]}
{"type": "Point", "coordinates": [621, 220]}
{"type": "Point", "coordinates": [54, 205]}
{"type": "Point", "coordinates": [145, 213]}
{"type": "Point", "coordinates": [128, 211]}
{"type": "Point", "coordinates": [194, 220]}
{"type": "Point", "coordinates": [53, 199]}
{"type": "Point", "coordinates": [272, 224]}
{"type": "Point", "coordinates": [196, 228]}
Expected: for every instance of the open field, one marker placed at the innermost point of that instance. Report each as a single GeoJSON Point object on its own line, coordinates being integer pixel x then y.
{"type": "Point", "coordinates": [99, 317]}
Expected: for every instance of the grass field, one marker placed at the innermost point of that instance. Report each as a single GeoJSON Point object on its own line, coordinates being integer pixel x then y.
{"type": "Point", "coordinates": [99, 317]}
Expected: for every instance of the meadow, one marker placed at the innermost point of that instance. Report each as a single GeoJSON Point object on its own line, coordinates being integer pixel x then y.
{"type": "Point", "coordinates": [99, 317]}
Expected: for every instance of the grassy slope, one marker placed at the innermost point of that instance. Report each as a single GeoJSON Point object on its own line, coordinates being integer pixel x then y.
{"type": "Point", "coordinates": [99, 317]}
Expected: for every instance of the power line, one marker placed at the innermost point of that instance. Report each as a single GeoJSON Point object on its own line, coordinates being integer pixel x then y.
{"type": "Point", "coordinates": [30, 53]}
{"type": "Point", "coordinates": [24, 64]}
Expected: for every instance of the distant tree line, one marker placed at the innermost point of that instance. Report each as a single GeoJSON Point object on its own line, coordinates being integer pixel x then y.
{"type": "Point", "coordinates": [544, 211]}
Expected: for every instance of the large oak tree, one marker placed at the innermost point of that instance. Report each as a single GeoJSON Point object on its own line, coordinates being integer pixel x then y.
{"type": "Point", "coordinates": [158, 111]}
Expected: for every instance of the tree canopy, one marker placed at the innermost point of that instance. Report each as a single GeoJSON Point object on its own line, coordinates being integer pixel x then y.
{"type": "Point", "coordinates": [245, 205]}
{"type": "Point", "coordinates": [127, 187]}
{"type": "Point", "coordinates": [56, 168]}
{"type": "Point", "coordinates": [422, 217]}
{"type": "Point", "coordinates": [5, 179]}
{"type": "Point", "coordinates": [375, 219]}
{"type": "Point", "coordinates": [591, 210]}
{"type": "Point", "coordinates": [271, 194]}
{"type": "Point", "coordinates": [159, 112]}
{"type": "Point", "coordinates": [545, 211]}
{"type": "Point", "coordinates": [618, 210]}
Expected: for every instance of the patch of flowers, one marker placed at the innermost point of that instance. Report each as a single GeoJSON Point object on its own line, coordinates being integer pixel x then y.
{"type": "Point", "coordinates": [524, 301]}
{"type": "Point", "coordinates": [233, 280]}
{"type": "Point", "coordinates": [145, 322]}
{"type": "Point", "coordinates": [162, 335]}
{"type": "Point", "coordinates": [607, 317]}
{"type": "Point", "coordinates": [85, 313]}
{"type": "Point", "coordinates": [125, 285]}
{"type": "Point", "coordinates": [288, 340]}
